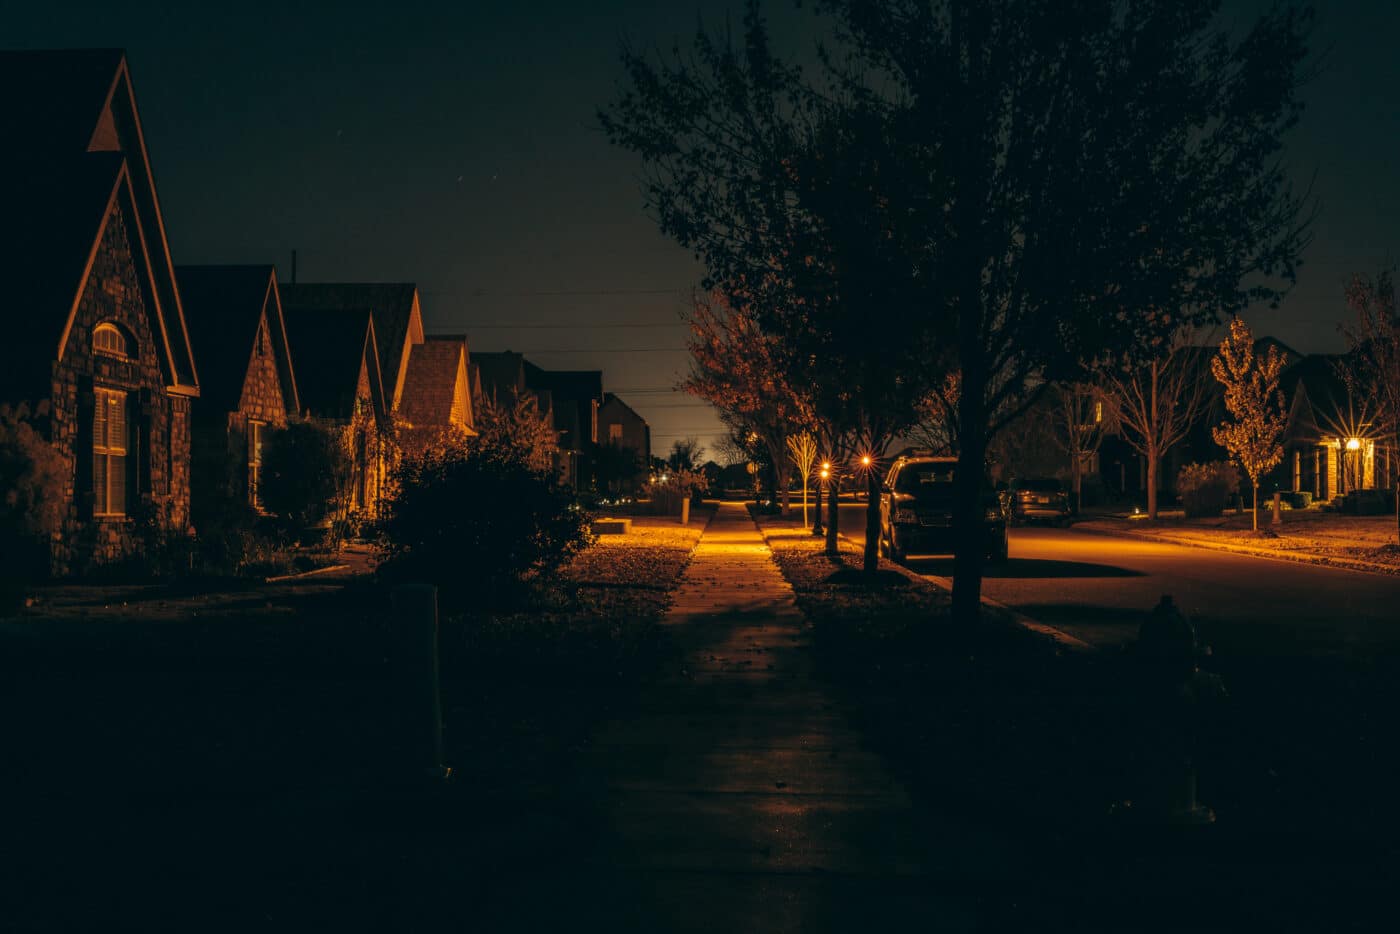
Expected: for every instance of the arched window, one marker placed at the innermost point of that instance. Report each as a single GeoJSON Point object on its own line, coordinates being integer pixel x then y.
{"type": "Point", "coordinates": [108, 339]}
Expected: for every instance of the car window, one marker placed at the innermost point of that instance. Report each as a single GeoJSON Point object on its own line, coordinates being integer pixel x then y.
{"type": "Point", "coordinates": [1037, 484]}
{"type": "Point", "coordinates": [918, 477]}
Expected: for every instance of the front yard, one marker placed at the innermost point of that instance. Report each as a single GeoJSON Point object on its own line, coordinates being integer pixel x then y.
{"type": "Point", "coordinates": [253, 748]}
{"type": "Point", "coordinates": [1362, 542]}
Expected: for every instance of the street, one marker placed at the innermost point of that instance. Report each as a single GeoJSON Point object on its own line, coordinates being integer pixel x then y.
{"type": "Point", "coordinates": [1098, 588]}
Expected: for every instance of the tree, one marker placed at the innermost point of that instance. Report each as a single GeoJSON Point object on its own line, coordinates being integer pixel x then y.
{"type": "Point", "coordinates": [516, 429]}
{"type": "Point", "coordinates": [1255, 404]}
{"type": "Point", "coordinates": [1082, 416]}
{"type": "Point", "coordinates": [32, 478]}
{"type": "Point", "coordinates": [686, 454]}
{"type": "Point", "coordinates": [1010, 190]}
{"type": "Point", "coordinates": [615, 466]}
{"type": "Point", "coordinates": [305, 474]}
{"type": "Point", "coordinates": [1156, 402]}
{"type": "Point", "coordinates": [802, 451]}
{"type": "Point", "coordinates": [1374, 339]}
{"type": "Point", "coordinates": [739, 369]}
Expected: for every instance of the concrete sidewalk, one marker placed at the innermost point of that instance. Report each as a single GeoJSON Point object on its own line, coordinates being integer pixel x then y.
{"type": "Point", "coordinates": [740, 799]}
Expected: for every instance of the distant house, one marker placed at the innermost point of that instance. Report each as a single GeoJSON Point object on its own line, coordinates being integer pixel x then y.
{"type": "Point", "coordinates": [94, 331]}
{"type": "Point", "coordinates": [621, 428]}
{"type": "Point", "coordinates": [398, 321]}
{"type": "Point", "coordinates": [248, 384]}
{"type": "Point", "coordinates": [437, 391]}
{"type": "Point", "coordinates": [498, 383]}
{"type": "Point", "coordinates": [1331, 444]}
{"type": "Point", "coordinates": [340, 386]}
{"type": "Point", "coordinates": [575, 396]}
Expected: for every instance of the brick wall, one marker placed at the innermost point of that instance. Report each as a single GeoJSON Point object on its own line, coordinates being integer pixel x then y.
{"type": "Point", "coordinates": [158, 470]}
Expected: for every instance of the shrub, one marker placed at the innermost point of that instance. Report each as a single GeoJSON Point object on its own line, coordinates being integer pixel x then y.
{"type": "Point", "coordinates": [1206, 488]}
{"type": "Point", "coordinates": [1298, 500]}
{"type": "Point", "coordinates": [305, 475]}
{"type": "Point", "coordinates": [31, 491]}
{"type": "Point", "coordinates": [481, 528]}
{"type": "Point", "coordinates": [667, 491]}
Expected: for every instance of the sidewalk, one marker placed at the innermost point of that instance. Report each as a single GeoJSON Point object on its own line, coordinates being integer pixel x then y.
{"type": "Point", "coordinates": [740, 798]}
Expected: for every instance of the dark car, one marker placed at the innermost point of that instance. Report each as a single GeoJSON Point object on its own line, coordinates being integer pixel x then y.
{"type": "Point", "coordinates": [1038, 498]}
{"type": "Point", "coordinates": [916, 510]}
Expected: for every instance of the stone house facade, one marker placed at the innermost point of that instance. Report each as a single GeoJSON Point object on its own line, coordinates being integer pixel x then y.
{"type": "Point", "coordinates": [98, 343]}
{"type": "Point", "coordinates": [247, 378]}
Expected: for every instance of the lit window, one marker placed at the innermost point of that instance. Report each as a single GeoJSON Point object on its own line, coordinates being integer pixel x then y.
{"type": "Point", "coordinates": [614, 433]}
{"type": "Point", "coordinates": [106, 338]}
{"type": "Point", "coordinates": [255, 445]}
{"type": "Point", "coordinates": [109, 453]}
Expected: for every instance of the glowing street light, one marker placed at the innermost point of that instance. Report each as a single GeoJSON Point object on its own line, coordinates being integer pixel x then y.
{"type": "Point", "coordinates": [865, 460]}
{"type": "Point", "coordinates": [1353, 444]}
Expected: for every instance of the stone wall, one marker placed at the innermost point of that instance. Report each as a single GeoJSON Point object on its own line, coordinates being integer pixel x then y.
{"type": "Point", "coordinates": [157, 469]}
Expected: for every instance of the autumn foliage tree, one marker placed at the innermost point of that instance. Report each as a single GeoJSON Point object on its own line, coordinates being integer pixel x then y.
{"type": "Point", "coordinates": [1254, 430]}
{"type": "Point", "coordinates": [740, 370]}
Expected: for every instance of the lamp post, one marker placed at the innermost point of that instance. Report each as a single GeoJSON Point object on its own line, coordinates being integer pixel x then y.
{"type": "Point", "coordinates": [825, 472]}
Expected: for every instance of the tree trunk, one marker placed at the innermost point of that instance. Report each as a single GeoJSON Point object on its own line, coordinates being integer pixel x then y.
{"type": "Point", "coordinates": [805, 523]}
{"type": "Point", "coordinates": [1152, 482]}
{"type": "Point", "coordinates": [872, 524]}
{"type": "Point", "coordinates": [1255, 504]}
{"type": "Point", "coordinates": [968, 538]}
{"type": "Point", "coordinates": [1077, 472]}
{"type": "Point", "coordinates": [833, 501]}
{"type": "Point", "coordinates": [784, 494]}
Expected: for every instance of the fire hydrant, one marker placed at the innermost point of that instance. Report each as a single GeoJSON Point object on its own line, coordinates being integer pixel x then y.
{"type": "Point", "coordinates": [1176, 696]}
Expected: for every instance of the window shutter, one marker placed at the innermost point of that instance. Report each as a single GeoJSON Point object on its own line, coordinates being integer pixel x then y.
{"type": "Point", "coordinates": [83, 481]}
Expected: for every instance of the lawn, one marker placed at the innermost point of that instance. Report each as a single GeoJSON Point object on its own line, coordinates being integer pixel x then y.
{"type": "Point", "coordinates": [1313, 535]}
{"type": "Point", "coordinates": [248, 756]}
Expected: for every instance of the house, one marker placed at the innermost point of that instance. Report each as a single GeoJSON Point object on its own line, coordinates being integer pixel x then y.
{"type": "Point", "coordinates": [499, 388]}
{"type": "Point", "coordinates": [1331, 444]}
{"type": "Point", "coordinates": [341, 387]}
{"type": "Point", "coordinates": [437, 391]}
{"type": "Point", "coordinates": [95, 334]}
{"type": "Point", "coordinates": [575, 396]}
{"type": "Point", "coordinates": [398, 321]}
{"type": "Point", "coordinates": [620, 428]}
{"type": "Point", "coordinates": [248, 386]}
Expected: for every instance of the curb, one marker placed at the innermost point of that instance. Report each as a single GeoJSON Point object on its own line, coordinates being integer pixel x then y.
{"type": "Point", "coordinates": [1336, 564]}
{"type": "Point", "coordinates": [1062, 639]}
{"type": "Point", "coordinates": [280, 578]}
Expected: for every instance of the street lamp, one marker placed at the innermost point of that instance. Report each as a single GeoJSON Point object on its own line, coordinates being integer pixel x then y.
{"type": "Point", "coordinates": [825, 472]}
{"type": "Point", "coordinates": [1354, 447]}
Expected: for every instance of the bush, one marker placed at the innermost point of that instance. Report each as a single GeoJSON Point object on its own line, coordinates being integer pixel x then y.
{"type": "Point", "coordinates": [482, 529]}
{"type": "Point", "coordinates": [1298, 500]}
{"type": "Point", "coordinates": [1206, 489]}
{"type": "Point", "coordinates": [31, 492]}
{"type": "Point", "coordinates": [667, 494]}
{"type": "Point", "coordinates": [305, 476]}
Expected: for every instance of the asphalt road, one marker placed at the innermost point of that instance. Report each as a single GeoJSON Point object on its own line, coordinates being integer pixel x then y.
{"type": "Point", "coordinates": [1098, 588]}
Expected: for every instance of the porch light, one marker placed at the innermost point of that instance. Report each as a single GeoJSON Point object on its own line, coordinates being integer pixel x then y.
{"type": "Point", "coordinates": [865, 460]}
{"type": "Point", "coordinates": [1353, 444]}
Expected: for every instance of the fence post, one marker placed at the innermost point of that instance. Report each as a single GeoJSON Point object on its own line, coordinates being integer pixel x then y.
{"type": "Point", "coordinates": [416, 616]}
{"type": "Point", "coordinates": [685, 510]}
{"type": "Point", "coordinates": [1278, 508]}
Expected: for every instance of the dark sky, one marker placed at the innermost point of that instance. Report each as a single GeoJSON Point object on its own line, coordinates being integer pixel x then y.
{"type": "Point", "coordinates": [453, 145]}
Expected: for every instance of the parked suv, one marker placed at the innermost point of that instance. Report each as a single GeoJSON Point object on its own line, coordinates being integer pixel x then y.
{"type": "Point", "coordinates": [916, 510]}
{"type": "Point", "coordinates": [1042, 498]}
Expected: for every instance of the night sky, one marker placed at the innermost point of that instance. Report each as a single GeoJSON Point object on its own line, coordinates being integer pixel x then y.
{"type": "Point", "coordinates": [456, 148]}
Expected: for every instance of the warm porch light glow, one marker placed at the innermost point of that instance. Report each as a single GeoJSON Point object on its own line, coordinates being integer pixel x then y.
{"type": "Point", "coordinates": [865, 460]}
{"type": "Point", "coordinates": [1353, 444]}
{"type": "Point", "coordinates": [826, 471]}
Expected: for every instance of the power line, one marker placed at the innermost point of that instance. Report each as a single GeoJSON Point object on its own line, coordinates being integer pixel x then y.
{"type": "Point", "coordinates": [570, 327]}
{"type": "Point", "coordinates": [610, 350]}
{"type": "Point", "coordinates": [553, 293]}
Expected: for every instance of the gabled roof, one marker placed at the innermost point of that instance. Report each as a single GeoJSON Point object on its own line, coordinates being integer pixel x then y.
{"type": "Point", "coordinates": [436, 392]}
{"type": "Point", "coordinates": [74, 152]}
{"type": "Point", "coordinates": [330, 348]}
{"type": "Point", "coordinates": [612, 401]}
{"type": "Point", "coordinates": [224, 306]}
{"type": "Point", "coordinates": [398, 319]}
{"type": "Point", "coordinates": [501, 374]}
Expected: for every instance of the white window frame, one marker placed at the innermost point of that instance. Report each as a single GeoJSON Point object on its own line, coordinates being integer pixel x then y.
{"type": "Point", "coordinates": [110, 449]}
{"type": "Point", "coordinates": [255, 442]}
{"type": "Point", "coordinates": [121, 347]}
